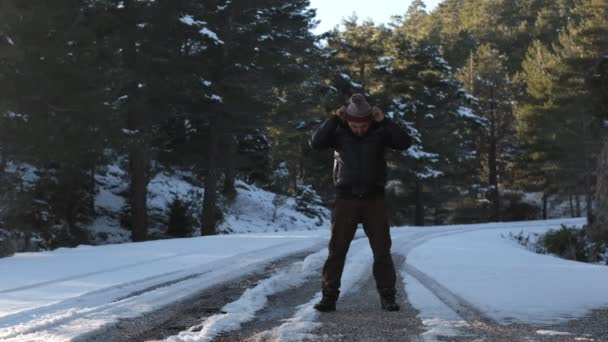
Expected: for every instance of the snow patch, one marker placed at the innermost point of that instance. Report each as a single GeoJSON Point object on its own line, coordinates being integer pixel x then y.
{"type": "Point", "coordinates": [206, 32]}
{"type": "Point", "coordinates": [16, 116]}
{"type": "Point", "coordinates": [429, 173]}
{"type": "Point", "coordinates": [254, 209]}
{"type": "Point", "coordinates": [215, 98]}
{"type": "Point", "coordinates": [437, 317]}
{"type": "Point", "coordinates": [254, 299]}
{"type": "Point", "coordinates": [530, 288]}
{"type": "Point", "coordinates": [189, 20]}
{"type": "Point", "coordinates": [553, 333]}
{"type": "Point", "coordinates": [416, 152]}
{"type": "Point", "coordinates": [301, 325]}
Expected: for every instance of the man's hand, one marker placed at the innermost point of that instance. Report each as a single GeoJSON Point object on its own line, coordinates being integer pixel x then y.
{"type": "Point", "coordinates": [377, 114]}
{"type": "Point", "coordinates": [341, 113]}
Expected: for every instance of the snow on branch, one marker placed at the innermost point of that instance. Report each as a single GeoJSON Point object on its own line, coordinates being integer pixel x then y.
{"type": "Point", "coordinates": [429, 173]}
{"type": "Point", "coordinates": [467, 112]}
{"type": "Point", "coordinates": [416, 152]}
{"type": "Point", "coordinates": [190, 21]}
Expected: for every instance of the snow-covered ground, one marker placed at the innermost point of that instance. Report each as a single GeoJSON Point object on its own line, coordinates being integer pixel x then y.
{"type": "Point", "coordinates": [509, 283]}
{"type": "Point", "coordinates": [557, 205]}
{"type": "Point", "coordinates": [472, 269]}
{"type": "Point", "coordinates": [56, 296]}
{"type": "Point", "coordinates": [480, 266]}
{"type": "Point", "coordinates": [252, 211]}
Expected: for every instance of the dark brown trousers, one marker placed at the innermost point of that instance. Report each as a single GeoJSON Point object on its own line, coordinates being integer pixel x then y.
{"type": "Point", "coordinates": [346, 215]}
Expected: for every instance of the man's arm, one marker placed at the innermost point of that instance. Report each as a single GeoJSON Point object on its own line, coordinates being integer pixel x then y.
{"type": "Point", "coordinates": [324, 137]}
{"type": "Point", "coordinates": [397, 138]}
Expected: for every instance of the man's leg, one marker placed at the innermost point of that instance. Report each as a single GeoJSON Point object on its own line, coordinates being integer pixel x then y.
{"type": "Point", "coordinates": [343, 227]}
{"type": "Point", "coordinates": [377, 229]}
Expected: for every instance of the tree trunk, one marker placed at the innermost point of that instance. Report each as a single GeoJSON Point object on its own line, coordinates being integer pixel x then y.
{"type": "Point", "coordinates": [577, 198]}
{"type": "Point", "coordinates": [545, 197]}
{"type": "Point", "coordinates": [589, 194]}
{"type": "Point", "coordinates": [138, 193]}
{"type": "Point", "coordinates": [589, 204]}
{"type": "Point", "coordinates": [419, 215]}
{"type": "Point", "coordinates": [230, 167]}
{"type": "Point", "coordinates": [362, 76]}
{"type": "Point", "coordinates": [598, 230]}
{"type": "Point", "coordinates": [137, 149]}
{"type": "Point", "coordinates": [3, 154]}
{"type": "Point", "coordinates": [209, 215]}
{"type": "Point", "coordinates": [493, 180]}
{"type": "Point", "coordinates": [74, 181]}
{"type": "Point", "coordinates": [493, 163]}
{"type": "Point", "coordinates": [75, 234]}
{"type": "Point", "coordinates": [69, 209]}
{"type": "Point", "coordinates": [92, 185]}
{"type": "Point", "coordinates": [293, 177]}
{"type": "Point", "coordinates": [301, 163]}
{"type": "Point", "coordinates": [2, 161]}
{"type": "Point", "coordinates": [437, 217]}
{"type": "Point", "coordinates": [472, 73]}
{"type": "Point", "coordinates": [572, 213]}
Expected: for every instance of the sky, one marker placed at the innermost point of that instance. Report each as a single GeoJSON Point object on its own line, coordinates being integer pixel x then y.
{"type": "Point", "coordinates": [331, 12]}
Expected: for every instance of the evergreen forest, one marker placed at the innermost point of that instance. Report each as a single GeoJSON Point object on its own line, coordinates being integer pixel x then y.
{"type": "Point", "coordinates": [505, 100]}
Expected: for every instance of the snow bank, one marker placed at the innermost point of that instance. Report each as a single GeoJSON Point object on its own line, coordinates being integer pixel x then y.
{"type": "Point", "coordinates": [253, 211]}
{"type": "Point", "coordinates": [509, 283]}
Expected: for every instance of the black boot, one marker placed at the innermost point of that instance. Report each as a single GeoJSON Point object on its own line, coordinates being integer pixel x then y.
{"type": "Point", "coordinates": [328, 302]}
{"type": "Point", "coordinates": [387, 299]}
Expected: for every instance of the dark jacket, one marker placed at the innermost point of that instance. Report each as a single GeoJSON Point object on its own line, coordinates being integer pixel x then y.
{"type": "Point", "coordinates": [359, 162]}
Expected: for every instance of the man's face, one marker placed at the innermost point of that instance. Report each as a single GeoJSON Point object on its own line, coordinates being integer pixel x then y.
{"type": "Point", "coordinates": [359, 128]}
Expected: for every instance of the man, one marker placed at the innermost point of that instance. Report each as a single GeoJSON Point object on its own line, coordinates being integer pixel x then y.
{"type": "Point", "coordinates": [359, 135]}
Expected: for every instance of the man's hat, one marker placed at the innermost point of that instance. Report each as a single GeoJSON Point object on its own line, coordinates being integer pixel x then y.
{"type": "Point", "coordinates": [358, 109]}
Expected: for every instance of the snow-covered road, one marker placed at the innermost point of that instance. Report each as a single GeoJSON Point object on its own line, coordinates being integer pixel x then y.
{"type": "Point", "coordinates": [452, 275]}
{"type": "Point", "coordinates": [62, 294]}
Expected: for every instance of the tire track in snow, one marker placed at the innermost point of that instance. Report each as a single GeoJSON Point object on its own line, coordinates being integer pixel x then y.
{"type": "Point", "coordinates": [104, 300]}
{"type": "Point", "coordinates": [305, 319]}
{"type": "Point", "coordinates": [359, 316]}
{"type": "Point", "coordinates": [407, 246]}
{"type": "Point", "coordinates": [460, 306]}
{"type": "Point", "coordinates": [126, 290]}
{"type": "Point", "coordinates": [159, 285]}
{"type": "Point", "coordinates": [253, 299]}
{"type": "Point", "coordinates": [90, 274]}
{"type": "Point", "coordinates": [456, 303]}
{"type": "Point", "coordinates": [96, 297]}
{"type": "Point", "coordinates": [238, 298]}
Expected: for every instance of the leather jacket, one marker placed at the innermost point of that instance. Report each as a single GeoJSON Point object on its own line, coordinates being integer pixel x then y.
{"type": "Point", "coordinates": [359, 162]}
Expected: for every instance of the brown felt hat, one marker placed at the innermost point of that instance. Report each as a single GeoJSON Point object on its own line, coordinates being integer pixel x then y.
{"type": "Point", "coordinates": [358, 109]}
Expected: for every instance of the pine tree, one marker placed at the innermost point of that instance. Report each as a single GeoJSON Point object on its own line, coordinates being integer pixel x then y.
{"type": "Point", "coordinates": [589, 62]}
{"type": "Point", "coordinates": [493, 87]}
{"type": "Point", "coordinates": [263, 50]}
{"type": "Point", "coordinates": [179, 217]}
{"type": "Point", "coordinates": [563, 115]}
{"type": "Point", "coordinates": [54, 85]}
{"type": "Point", "coordinates": [421, 91]}
{"type": "Point", "coordinates": [357, 48]}
{"type": "Point", "coordinates": [290, 61]}
{"type": "Point", "coordinates": [415, 25]}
